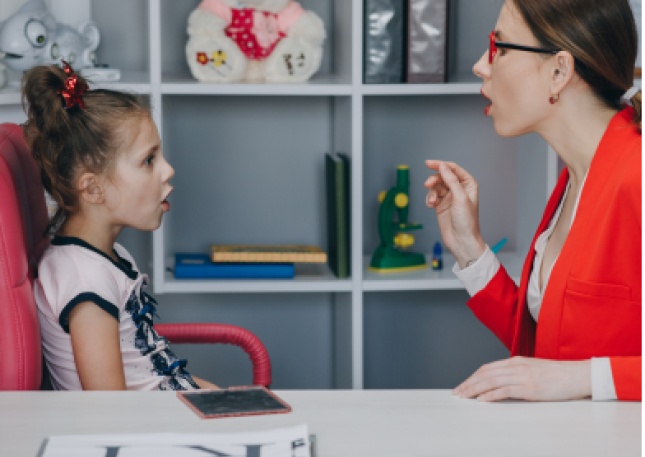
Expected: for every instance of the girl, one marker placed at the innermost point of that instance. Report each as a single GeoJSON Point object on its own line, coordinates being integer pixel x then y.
{"type": "Point", "coordinates": [100, 158]}
{"type": "Point", "coordinates": [559, 68]}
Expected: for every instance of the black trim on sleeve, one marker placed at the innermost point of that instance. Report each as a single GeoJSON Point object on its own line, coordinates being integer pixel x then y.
{"type": "Point", "coordinates": [105, 305]}
{"type": "Point", "coordinates": [122, 264]}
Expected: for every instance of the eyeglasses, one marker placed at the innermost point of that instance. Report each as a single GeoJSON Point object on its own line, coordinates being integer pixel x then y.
{"type": "Point", "coordinates": [494, 45]}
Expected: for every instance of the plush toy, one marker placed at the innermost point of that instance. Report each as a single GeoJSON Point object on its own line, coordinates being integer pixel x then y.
{"type": "Point", "coordinates": [32, 37]}
{"type": "Point", "coordinates": [261, 40]}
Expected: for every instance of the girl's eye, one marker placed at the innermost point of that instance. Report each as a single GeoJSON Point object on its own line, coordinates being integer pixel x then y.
{"type": "Point", "coordinates": [148, 161]}
{"type": "Point", "coordinates": [502, 51]}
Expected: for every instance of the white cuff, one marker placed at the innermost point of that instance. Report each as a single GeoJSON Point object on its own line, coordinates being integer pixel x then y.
{"type": "Point", "coordinates": [602, 381]}
{"type": "Point", "coordinates": [479, 274]}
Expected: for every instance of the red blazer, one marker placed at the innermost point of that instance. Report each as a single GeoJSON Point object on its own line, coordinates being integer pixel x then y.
{"type": "Point", "coordinates": [592, 303]}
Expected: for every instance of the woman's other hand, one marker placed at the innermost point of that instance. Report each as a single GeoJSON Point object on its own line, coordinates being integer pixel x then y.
{"type": "Point", "coordinates": [530, 379]}
{"type": "Point", "coordinates": [454, 195]}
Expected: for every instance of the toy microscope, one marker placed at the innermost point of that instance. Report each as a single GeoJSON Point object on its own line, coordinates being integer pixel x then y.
{"type": "Point", "coordinates": [387, 258]}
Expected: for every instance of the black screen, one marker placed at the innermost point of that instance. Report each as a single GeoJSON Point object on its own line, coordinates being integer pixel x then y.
{"type": "Point", "coordinates": [234, 402]}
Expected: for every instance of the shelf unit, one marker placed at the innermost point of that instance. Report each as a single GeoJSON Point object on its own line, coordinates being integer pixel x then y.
{"type": "Point", "coordinates": [278, 167]}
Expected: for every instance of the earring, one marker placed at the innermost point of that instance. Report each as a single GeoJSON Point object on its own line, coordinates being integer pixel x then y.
{"type": "Point", "coordinates": [554, 99]}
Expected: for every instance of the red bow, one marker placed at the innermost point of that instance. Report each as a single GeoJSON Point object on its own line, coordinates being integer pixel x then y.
{"type": "Point", "coordinates": [73, 89]}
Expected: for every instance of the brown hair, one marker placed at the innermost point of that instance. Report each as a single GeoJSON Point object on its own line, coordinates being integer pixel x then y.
{"type": "Point", "coordinates": [67, 142]}
{"type": "Point", "coordinates": [600, 35]}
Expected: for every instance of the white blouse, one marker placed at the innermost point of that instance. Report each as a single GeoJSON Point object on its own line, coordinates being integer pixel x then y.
{"type": "Point", "coordinates": [479, 274]}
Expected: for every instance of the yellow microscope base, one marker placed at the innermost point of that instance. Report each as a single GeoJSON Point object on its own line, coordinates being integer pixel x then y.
{"type": "Point", "coordinates": [398, 270]}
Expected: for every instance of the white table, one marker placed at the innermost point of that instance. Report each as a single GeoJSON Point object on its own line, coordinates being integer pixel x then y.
{"type": "Point", "coordinates": [346, 423]}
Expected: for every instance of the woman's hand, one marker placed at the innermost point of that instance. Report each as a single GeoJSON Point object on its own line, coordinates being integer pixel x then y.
{"type": "Point", "coordinates": [454, 195]}
{"type": "Point", "coordinates": [529, 379]}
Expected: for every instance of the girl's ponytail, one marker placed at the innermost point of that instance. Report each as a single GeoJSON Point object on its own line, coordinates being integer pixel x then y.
{"type": "Point", "coordinates": [66, 142]}
{"type": "Point", "coordinates": [46, 131]}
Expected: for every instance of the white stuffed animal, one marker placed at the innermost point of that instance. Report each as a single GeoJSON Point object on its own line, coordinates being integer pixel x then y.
{"type": "Point", "coordinates": [260, 40]}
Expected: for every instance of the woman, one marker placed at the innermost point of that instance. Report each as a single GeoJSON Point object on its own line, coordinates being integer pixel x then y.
{"type": "Point", "coordinates": [559, 68]}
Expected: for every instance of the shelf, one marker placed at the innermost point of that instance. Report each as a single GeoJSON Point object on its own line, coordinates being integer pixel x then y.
{"type": "Point", "coordinates": [10, 96]}
{"type": "Point", "coordinates": [309, 278]}
{"type": "Point", "coordinates": [317, 86]}
{"type": "Point", "coordinates": [422, 89]}
{"type": "Point", "coordinates": [136, 82]}
{"type": "Point", "coordinates": [459, 84]}
{"type": "Point", "coordinates": [428, 279]}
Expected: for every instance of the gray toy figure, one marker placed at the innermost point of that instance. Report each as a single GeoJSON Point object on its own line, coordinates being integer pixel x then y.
{"type": "Point", "coordinates": [33, 37]}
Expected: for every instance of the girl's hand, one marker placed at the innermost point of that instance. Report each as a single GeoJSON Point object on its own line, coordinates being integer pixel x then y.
{"type": "Point", "coordinates": [530, 379]}
{"type": "Point", "coordinates": [454, 195]}
{"type": "Point", "coordinates": [203, 384]}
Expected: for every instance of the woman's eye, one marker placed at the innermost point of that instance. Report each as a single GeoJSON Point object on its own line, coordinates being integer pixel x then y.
{"type": "Point", "coordinates": [502, 51]}
{"type": "Point", "coordinates": [148, 161]}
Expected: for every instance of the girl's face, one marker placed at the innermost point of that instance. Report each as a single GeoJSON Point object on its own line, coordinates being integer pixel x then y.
{"type": "Point", "coordinates": [517, 82]}
{"type": "Point", "coordinates": [139, 187]}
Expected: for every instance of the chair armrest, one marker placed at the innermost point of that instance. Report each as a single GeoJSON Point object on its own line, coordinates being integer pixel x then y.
{"type": "Point", "coordinates": [224, 334]}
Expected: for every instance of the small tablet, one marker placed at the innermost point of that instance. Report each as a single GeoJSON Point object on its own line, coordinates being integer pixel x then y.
{"type": "Point", "coordinates": [233, 402]}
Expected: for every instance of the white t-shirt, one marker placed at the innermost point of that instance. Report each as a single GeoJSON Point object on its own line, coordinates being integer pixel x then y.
{"type": "Point", "coordinates": [72, 271]}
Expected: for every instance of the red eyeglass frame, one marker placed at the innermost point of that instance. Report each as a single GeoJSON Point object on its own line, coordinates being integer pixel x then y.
{"type": "Point", "coordinates": [494, 45]}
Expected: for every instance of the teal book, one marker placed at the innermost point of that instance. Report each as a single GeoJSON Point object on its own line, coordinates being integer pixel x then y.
{"type": "Point", "coordinates": [337, 173]}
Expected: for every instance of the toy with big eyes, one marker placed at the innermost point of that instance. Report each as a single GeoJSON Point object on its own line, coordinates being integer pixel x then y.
{"type": "Point", "coordinates": [32, 37]}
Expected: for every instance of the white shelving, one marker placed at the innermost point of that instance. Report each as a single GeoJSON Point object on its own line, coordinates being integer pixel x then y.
{"type": "Point", "coordinates": [9, 97]}
{"type": "Point", "coordinates": [309, 278]}
{"type": "Point", "coordinates": [428, 279]}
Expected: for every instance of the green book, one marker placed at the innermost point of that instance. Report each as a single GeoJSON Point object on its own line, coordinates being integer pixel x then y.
{"type": "Point", "coordinates": [338, 213]}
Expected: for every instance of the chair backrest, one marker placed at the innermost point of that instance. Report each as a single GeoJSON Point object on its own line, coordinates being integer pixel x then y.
{"type": "Point", "coordinates": [23, 219]}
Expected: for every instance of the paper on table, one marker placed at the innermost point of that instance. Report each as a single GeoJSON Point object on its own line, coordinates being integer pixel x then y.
{"type": "Point", "coordinates": [286, 442]}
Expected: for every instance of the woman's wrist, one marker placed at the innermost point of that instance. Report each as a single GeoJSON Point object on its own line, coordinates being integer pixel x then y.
{"type": "Point", "coordinates": [470, 252]}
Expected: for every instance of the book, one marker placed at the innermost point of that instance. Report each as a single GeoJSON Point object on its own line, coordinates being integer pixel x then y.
{"type": "Point", "coordinates": [248, 253]}
{"type": "Point", "coordinates": [384, 41]}
{"type": "Point", "coordinates": [338, 194]}
{"type": "Point", "coordinates": [200, 266]}
{"type": "Point", "coordinates": [294, 441]}
{"type": "Point", "coordinates": [427, 41]}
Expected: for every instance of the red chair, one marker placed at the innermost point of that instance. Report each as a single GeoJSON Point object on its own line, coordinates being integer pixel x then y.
{"type": "Point", "coordinates": [23, 219]}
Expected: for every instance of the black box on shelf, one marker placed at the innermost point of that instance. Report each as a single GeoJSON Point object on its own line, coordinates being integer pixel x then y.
{"type": "Point", "coordinates": [427, 41]}
{"type": "Point", "coordinates": [384, 42]}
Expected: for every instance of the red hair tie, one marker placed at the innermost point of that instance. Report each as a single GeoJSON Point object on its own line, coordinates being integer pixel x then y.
{"type": "Point", "coordinates": [73, 89]}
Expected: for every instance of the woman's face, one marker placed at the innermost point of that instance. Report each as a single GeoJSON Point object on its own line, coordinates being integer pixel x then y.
{"type": "Point", "coordinates": [517, 82]}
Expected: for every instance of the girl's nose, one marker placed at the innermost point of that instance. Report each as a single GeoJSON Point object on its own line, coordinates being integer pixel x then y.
{"type": "Point", "coordinates": [482, 67]}
{"type": "Point", "coordinates": [170, 171]}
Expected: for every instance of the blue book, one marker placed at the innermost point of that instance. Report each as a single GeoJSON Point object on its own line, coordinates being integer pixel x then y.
{"type": "Point", "coordinates": [199, 266]}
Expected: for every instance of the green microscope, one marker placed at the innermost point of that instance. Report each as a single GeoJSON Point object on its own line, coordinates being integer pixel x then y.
{"type": "Point", "coordinates": [387, 258]}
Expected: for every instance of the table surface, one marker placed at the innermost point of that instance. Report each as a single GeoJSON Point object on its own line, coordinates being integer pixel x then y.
{"type": "Point", "coordinates": [346, 423]}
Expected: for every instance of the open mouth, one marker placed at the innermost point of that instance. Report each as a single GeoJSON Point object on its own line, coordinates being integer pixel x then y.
{"type": "Point", "coordinates": [487, 109]}
{"type": "Point", "coordinates": [165, 203]}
